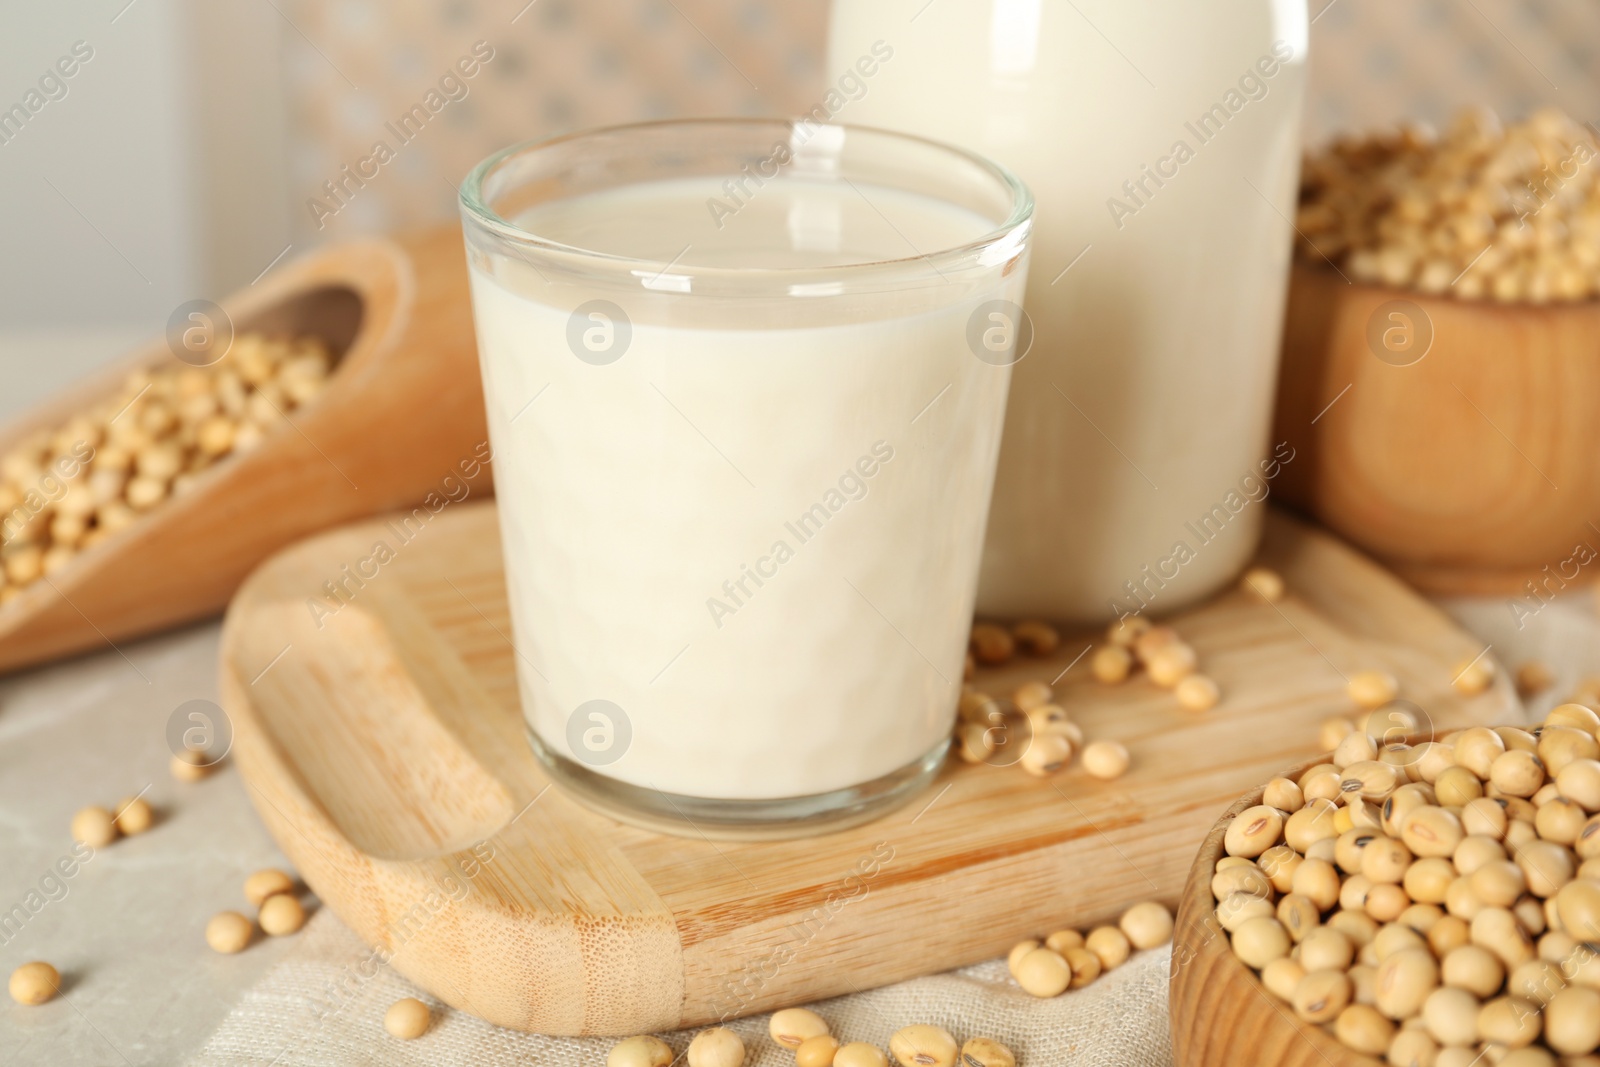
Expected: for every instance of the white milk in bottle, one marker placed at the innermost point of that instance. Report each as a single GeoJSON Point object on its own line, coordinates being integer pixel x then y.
{"type": "Point", "coordinates": [1161, 141]}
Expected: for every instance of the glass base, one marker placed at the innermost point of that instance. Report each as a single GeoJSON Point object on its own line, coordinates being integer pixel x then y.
{"type": "Point", "coordinates": [740, 820]}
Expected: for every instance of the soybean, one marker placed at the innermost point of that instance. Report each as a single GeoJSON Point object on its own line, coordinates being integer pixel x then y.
{"type": "Point", "coordinates": [718, 1047]}
{"type": "Point", "coordinates": [641, 1051]}
{"type": "Point", "coordinates": [408, 1019]}
{"type": "Point", "coordinates": [920, 1046]}
{"type": "Point", "coordinates": [34, 983]}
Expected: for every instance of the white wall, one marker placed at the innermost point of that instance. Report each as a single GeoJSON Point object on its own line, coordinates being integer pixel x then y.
{"type": "Point", "coordinates": [165, 157]}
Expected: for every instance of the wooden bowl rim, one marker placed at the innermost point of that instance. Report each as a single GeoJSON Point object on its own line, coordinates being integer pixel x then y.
{"type": "Point", "coordinates": [1323, 270]}
{"type": "Point", "coordinates": [1197, 933]}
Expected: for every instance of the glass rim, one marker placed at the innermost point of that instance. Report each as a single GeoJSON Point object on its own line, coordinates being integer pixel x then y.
{"type": "Point", "coordinates": [473, 205]}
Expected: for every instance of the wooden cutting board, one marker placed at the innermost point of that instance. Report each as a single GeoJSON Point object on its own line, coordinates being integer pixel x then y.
{"type": "Point", "coordinates": [384, 750]}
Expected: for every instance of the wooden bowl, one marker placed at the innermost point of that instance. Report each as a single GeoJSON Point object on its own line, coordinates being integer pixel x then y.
{"type": "Point", "coordinates": [402, 409]}
{"type": "Point", "coordinates": [1221, 1014]}
{"type": "Point", "coordinates": [1472, 466]}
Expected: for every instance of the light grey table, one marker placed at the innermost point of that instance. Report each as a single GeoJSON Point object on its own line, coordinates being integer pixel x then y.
{"type": "Point", "coordinates": [140, 986]}
{"type": "Point", "coordinates": [126, 930]}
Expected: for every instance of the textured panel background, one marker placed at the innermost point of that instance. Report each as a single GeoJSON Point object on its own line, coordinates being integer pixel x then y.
{"type": "Point", "coordinates": [558, 66]}
{"type": "Point", "coordinates": [564, 65]}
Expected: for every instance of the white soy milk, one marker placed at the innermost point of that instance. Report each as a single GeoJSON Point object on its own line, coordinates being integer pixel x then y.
{"type": "Point", "coordinates": [745, 538]}
{"type": "Point", "coordinates": [1161, 142]}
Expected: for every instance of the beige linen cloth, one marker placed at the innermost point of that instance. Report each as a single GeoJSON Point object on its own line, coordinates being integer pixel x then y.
{"type": "Point", "coordinates": [1119, 1021]}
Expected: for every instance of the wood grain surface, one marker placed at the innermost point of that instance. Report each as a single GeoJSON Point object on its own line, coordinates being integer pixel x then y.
{"type": "Point", "coordinates": [1222, 1016]}
{"type": "Point", "coordinates": [402, 408]}
{"type": "Point", "coordinates": [1474, 469]}
{"type": "Point", "coordinates": [383, 746]}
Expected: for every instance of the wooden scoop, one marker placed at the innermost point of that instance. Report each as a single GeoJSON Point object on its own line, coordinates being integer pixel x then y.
{"type": "Point", "coordinates": [401, 413]}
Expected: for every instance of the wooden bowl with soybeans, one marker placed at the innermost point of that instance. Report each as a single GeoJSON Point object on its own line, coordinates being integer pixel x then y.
{"type": "Point", "coordinates": [1425, 903]}
{"type": "Point", "coordinates": [338, 386]}
{"type": "Point", "coordinates": [1441, 352]}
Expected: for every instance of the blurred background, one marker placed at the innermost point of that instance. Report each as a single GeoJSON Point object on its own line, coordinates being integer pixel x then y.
{"type": "Point", "coordinates": [189, 151]}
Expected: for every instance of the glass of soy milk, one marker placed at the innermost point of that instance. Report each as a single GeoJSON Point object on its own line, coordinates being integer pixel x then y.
{"type": "Point", "coordinates": [745, 383]}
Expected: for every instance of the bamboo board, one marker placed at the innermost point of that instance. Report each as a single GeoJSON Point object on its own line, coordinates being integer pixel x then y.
{"type": "Point", "coordinates": [384, 748]}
